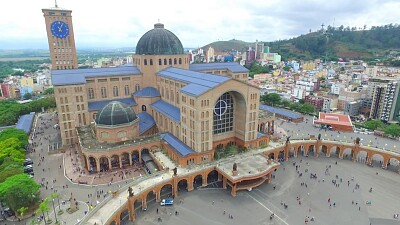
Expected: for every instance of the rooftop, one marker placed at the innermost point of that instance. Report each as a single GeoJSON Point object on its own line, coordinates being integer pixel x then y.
{"type": "Point", "coordinates": [168, 110]}
{"type": "Point", "coordinates": [78, 76]}
{"type": "Point", "coordinates": [198, 83]}
{"type": "Point", "coordinates": [280, 111]}
{"type": "Point", "coordinates": [177, 145]}
{"type": "Point", "coordinates": [332, 118]}
{"type": "Point", "coordinates": [147, 92]}
{"type": "Point", "coordinates": [247, 166]}
{"type": "Point", "coordinates": [146, 121]}
{"type": "Point", "coordinates": [231, 66]}
{"type": "Point", "coordinates": [87, 139]}
{"type": "Point", "coordinates": [25, 122]}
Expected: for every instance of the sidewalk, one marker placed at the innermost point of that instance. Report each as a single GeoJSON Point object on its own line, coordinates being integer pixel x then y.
{"type": "Point", "coordinates": [66, 218]}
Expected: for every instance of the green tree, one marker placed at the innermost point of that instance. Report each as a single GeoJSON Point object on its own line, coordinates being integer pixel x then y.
{"type": "Point", "coordinates": [12, 148]}
{"type": "Point", "coordinates": [54, 208]}
{"type": "Point", "coordinates": [271, 99]}
{"type": "Point", "coordinates": [393, 130]}
{"type": "Point", "coordinates": [307, 108]}
{"type": "Point", "coordinates": [9, 168]}
{"type": "Point", "coordinates": [49, 91]}
{"type": "Point", "coordinates": [56, 196]}
{"type": "Point", "coordinates": [373, 124]}
{"type": "Point", "coordinates": [14, 133]}
{"type": "Point", "coordinates": [286, 103]}
{"type": "Point", "coordinates": [301, 101]}
{"type": "Point", "coordinates": [27, 95]}
{"type": "Point", "coordinates": [19, 191]}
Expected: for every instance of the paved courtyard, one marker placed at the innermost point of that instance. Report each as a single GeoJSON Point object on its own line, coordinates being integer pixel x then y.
{"type": "Point", "coordinates": [347, 205]}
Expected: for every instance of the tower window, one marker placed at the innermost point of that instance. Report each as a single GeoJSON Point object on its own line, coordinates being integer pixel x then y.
{"type": "Point", "coordinates": [145, 62]}
{"type": "Point", "coordinates": [159, 62]}
{"type": "Point", "coordinates": [103, 92]}
{"type": "Point", "coordinates": [170, 61]}
{"type": "Point", "coordinates": [180, 61]}
{"type": "Point", "coordinates": [115, 91]}
{"type": "Point", "coordinates": [91, 93]}
{"type": "Point", "coordinates": [175, 61]}
{"type": "Point", "coordinates": [151, 62]}
{"type": "Point", "coordinates": [165, 61]}
{"type": "Point", "coordinates": [127, 90]}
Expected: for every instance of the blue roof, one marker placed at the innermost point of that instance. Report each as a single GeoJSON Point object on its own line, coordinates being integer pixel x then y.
{"type": "Point", "coordinates": [25, 122]}
{"type": "Point", "coordinates": [146, 121]}
{"type": "Point", "coordinates": [200, 82]}
{"type": "Point", "coordinates": [147, 92]}
{"type": "Point", "coordinates": [259, 135]}
{"type": "Point", "coordinates": [168, 110]}
{"type": "Point", "coordinates": [280, 111]}
{"type": "Point", "coordinates": [234, 67]}
{"type": "Point", "coordinates": [78, 76]}
{"type": "Point", "coordinates": [177, 145]}
{"type": "Point", "coordinates": [94, 106]}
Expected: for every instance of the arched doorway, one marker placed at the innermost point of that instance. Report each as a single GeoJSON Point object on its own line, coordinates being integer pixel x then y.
{"type": "Point", "coordinates": [137, 205]}
{"type": "Point", "coordinates": [115, 161]}
{"type": "Point", "coordinates": [291, 152]}
{"type": "Point", "coordinates": [300, 150]}
{"type": "Point", "coordinates": [212, 177]}
{"type": "Point", "coordinates": [362, 156]}
{"type": "Point", "coordinates": [324, 150]}
{"type": "Point", "coordinates": [335, 150]}
{"type": "Point", "coordinates": [92, 165]}
{"type": "Point", "coordinates": [182, 185]}
{"type": "Point", "coordinates": [124, 217]}
{"type": "Point", "coordinates": [271, 156]}
{"type": "Point", "coordinates": [311, 150]}
{"type": "Point", "coordinates": [198, 181]}
{"type": "Point", "coordinates": [393, 164]}
{"type": "Point", "coordinates": [377, 160]}
{"type": "Point", "coordinates": [135, 157]}
{"type": "Point", "coordinates": [104, 166]}
{"type": "Point", "coordinates": [150, 198]}
{"type": "Point", "coordinates": [281, 156]}
{"type": "Point", "coordinates": [145, 151]}
{"type": "Point", "coordinates": [125, 159]}
{"type": "Point", "coordinates": [166, 191]}
{"type": "Point", "coordinates": [348, 153]}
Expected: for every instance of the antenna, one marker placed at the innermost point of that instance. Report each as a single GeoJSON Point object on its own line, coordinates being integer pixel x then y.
{"type": "Point", "coordinates": [55, 3]}
{"type": "Point", "coordinates": [322, 26]}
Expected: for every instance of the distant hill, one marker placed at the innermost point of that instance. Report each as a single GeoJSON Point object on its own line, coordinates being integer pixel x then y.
{"type": "Point", "coordinates": [229, 46]}
{"type": "Point", "coordinates": [340, 42]}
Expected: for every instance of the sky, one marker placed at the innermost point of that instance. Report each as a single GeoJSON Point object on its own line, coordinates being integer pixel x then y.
{"type": "Point", "coordinates": [121, 23]}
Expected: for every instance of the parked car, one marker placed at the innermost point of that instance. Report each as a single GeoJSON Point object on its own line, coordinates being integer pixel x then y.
{"type": "Point", "coordinates": [167, 201]}
{"type": "Point", "coordinates": [27, 162]}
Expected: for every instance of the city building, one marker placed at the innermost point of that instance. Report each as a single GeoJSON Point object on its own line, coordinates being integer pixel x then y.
{"type": "Point", "coordinates": [317, 102]}
{"type": "Point", "coordinates": [117, 115]}
{"type": "Point", "coordinates": [385, 104]}
{"type": "Point", "coordinates": [336, 122]}
{"type": "Point", "coordinates": [330, 104]}
{"type": "Point", "coordinates": [352, 108]}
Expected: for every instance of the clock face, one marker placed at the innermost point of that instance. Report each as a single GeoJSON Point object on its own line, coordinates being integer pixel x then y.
{"type": "Point", "coordinates": [220, 108]}
{"type": "Point", "coordinates": [59, 29]}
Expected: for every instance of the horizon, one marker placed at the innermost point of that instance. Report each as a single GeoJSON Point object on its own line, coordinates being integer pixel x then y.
{"type": "Point", "coordinates": [113, 26]}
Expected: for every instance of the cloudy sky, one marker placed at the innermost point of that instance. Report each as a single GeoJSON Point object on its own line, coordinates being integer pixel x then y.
{"type": "Point", "coordinates": [120, 23]}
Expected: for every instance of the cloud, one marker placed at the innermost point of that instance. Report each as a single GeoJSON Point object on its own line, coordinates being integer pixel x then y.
{"type": "Point", "coordinates": [122, 23]}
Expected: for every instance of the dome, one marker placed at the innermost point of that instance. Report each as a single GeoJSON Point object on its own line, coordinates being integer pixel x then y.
{"type": "Point", "coordinates": [115, 113]}
{"type": "Point", "coordinates": [159, 41]}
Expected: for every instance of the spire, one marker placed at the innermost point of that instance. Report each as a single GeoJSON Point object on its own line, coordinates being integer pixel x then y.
{"type": "Point", "coordinates": [55, 3]}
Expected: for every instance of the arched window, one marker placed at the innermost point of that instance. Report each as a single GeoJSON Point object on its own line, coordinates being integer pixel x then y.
{"type": "Point", "coordinates": [91, 93]}
{"type": "Point", "coordinates": [105, 134]}
{"type": "Point", "coordinates": [159, 62]}
{"type": "Point", "coordinates": [127, 92]}
{"type": "Point", "coordinates": [115, 91]}
{"type": "Point", "coordinates": [103, 92]}
{"type": "Point", "coordinates": [180, 61]}
{"type": "Point", "coordinates": [144, 108]}
{"type": "Point", "coordinates": [165, 61]}
{"type": "Point", "coordinates": [145, 62]}
{"type": "Point", "coordinates": [175, 61]}
{"type": "Point", "coordinates": [121, 134]}
{"type": "Point", "coordinates": [170, 61]}
{"type": "Point", "coordinates": [137, 87]}
{"type": "Point", "coordinates": [223, 114]}
{"type": "Point", "coordinates": [151, 62]}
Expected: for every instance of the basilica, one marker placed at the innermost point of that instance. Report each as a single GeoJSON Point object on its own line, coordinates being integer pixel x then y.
{"type": "Point", "coordinates": [118, 116]}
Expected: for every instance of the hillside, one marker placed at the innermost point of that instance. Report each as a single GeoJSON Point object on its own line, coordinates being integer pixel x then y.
{"type": "Point", "coordinates": [228, 46]}
{"type": "Point", "coordinates": [340, 42]}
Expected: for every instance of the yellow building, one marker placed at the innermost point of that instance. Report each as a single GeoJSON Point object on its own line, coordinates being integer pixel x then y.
{"type": "Point", "coordinates": [26, 82]}
{"type": "Point", "coordinates": [309, 66]}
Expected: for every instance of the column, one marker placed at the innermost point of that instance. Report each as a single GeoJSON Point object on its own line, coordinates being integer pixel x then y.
{"type": "Point", "coordinates": [144, 204]}
{"type": "Point", "coordinates": [98, 165]}
{"type": "Point", "coordinates": [131, 210]}
{"type": "Point", "coordinates": [190, 185]}
{"type": "Point", "coordinates": [158, 198]}
{"type": "Point", "coordinates": [87, 163]}
{"type": "Point", "coordinates": [385, 162]}
{"type": "Point", "coordinates": [224, 183]}
{"type": "Point", "coordinates": [328, 152]}
{"type": "Point", "coordinates": [140, 157]}
{"type": "Point", "coordinates": [120, 161]}
{"type": "Point", "coordinates": [276, 156]}
{"type": "Point", "coordinates": [109, 164]}
{"type": "Point", "coordinates": [204, 180]}
{"type": "Point", "coordinates": [130, 159]}
{"type": "Point", "coordinates": [233, 192]}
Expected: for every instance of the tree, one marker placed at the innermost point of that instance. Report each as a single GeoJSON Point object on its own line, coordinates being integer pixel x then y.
{"type": "Point", "coordinates": [307, 108]}
{"type": "Point", "coordinates": [271, 99]}
{"type": "Point", "coordinates": [22, 211]}
{"type": "Point", "coordinates": [14, 133]}
{"type": "Point", "coordinates": [56, 196]}
{"type": "Point", "coordinates": [301, 101]}
{"type": "Point", "coordinates": [9, 168]}
{"type": "Point", "coordinates": [373, 124]}
{"type": "Point", "coordinates": [12, 148]}
{"type": "Point", "coordinates": [27, 95]}
{"type": "Point", "coordinates": [54, 208]}
{"type": "Point", "coordinates": [49, 91]}
{"type": "Point", "coordinates": [19, 191]}
{"type": "Point", "coordinates": [393, 130]}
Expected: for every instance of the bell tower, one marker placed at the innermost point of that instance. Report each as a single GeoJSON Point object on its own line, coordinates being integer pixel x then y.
{"type": "Point", "coordinates": [60, 35]}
